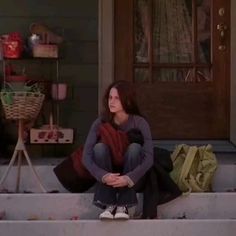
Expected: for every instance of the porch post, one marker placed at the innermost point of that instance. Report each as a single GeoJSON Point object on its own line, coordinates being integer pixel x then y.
{"type": "Point", "coordinates": [105, 47]}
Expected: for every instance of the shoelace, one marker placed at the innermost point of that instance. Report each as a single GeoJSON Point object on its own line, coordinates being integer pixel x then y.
{"type": "Point", "coordinates": [110, 208]}
{"type": "Point", "coordinates": [121, 209]}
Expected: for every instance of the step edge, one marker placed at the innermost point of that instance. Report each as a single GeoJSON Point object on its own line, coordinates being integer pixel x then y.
{"type": "Point", "coordinates": [131, 221]}
{"type": "Point", "coordinates": [86, 194]}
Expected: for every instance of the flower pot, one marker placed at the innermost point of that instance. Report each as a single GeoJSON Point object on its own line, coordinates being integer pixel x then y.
{"type": "Point", "coordinates": [59, 91]}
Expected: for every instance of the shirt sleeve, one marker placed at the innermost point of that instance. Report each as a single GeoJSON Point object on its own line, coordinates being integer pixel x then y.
{"type": "Point", "coordinates": [147, 159]}
{"type": "Point", "coordinates": [87, 158]}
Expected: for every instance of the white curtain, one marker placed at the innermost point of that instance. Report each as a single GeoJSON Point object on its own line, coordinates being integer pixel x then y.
{"type": "Point", "coordinates": [172, 35]}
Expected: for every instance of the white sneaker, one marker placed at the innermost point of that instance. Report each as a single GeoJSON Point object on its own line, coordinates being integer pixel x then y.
{"type": "Point", "coordinates": [108, 214]}
{"type": "Point", "coordinates": [121, 213]}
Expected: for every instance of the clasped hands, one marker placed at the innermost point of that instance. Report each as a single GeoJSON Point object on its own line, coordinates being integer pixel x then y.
{"type": "Point", "coordinates": [115, 180]}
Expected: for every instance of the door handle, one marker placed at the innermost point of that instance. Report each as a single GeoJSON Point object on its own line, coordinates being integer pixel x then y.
{"type": "Point", "coordinates": [222, 27]}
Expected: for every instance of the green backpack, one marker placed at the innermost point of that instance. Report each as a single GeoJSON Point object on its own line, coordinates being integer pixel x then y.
{"type": "Point", "coordinates": [193, 167]}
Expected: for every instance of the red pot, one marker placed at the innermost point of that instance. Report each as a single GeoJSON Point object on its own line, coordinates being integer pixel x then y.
{"type": "Point", "coordinates": [12, 49]}
{"type": "Point", "coordinates": [16, 78]}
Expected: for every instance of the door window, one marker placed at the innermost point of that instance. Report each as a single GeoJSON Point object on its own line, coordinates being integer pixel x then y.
{"type": "Point", "coordinates": [172, 41]}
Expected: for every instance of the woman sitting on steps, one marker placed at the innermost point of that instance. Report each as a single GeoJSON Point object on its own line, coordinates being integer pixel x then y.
{"type": "Point", "coordinates": [117, 163]}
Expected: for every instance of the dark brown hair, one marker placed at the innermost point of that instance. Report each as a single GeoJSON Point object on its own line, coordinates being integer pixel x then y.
{"type": "Point", "coordinates": [127, 96]}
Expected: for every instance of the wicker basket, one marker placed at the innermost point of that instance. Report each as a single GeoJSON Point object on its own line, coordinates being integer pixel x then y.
{"type": "Point", "coordinates": [21, 105]}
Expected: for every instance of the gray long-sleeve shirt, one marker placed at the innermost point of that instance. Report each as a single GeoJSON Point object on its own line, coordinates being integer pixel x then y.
{"type": "Point", "coordinates": [134, 121]}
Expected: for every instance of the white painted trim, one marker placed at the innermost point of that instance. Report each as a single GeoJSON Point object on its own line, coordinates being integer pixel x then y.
{"type": "Point", "coordinates": [233, 75]}
{"type": "Point", "coordinates": [106, 47]}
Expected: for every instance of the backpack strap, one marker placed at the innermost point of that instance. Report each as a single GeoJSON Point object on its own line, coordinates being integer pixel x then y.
{"type": "Point", "coordinates": [177, 151]}
{"type": "Point", "coordinates": [186, 167]}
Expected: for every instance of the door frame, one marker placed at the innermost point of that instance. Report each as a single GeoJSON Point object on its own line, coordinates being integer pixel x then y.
{"type": "Point", "coordinates": [105, 47]}
{"type": "Point", "coordinates": [106, 57]}
{"type": "Point", "coordinates": [233, 76]}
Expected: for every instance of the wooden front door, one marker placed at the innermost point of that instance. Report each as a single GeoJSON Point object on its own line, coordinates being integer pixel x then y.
{"type": "Point", "coordinates": [176, 52]}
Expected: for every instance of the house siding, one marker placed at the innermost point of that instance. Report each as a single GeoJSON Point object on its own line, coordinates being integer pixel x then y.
{"type": "Point", "coordinates": [77, 21]}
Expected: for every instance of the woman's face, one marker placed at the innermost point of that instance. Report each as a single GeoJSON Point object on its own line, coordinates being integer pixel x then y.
{"type": "Point", "coordinates": [114, 101]}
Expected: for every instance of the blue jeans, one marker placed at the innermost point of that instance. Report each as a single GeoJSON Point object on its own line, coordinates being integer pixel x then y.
{"type": "Point", "coordinates": [106, 195]}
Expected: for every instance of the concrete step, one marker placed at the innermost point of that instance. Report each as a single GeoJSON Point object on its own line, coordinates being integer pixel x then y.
{"type": "Point", "coordinates": [222, 182]}
{"type": "Point", "coordinates": [120, 228]}
{"type": "Point", "coordinates": [66, 206]}
{"type": "Point", "coordinates": [205, 214]}
{"type": "Point", "coordinates": [28, 181]}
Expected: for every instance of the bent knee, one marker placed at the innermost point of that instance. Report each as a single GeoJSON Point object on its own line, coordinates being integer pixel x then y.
{"type": "Point", "coordinates": [100, 146]}
{"type": "Point", "coordinates": [134, 149]}
{"type": "Point", "coordinates": [101, 150]}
